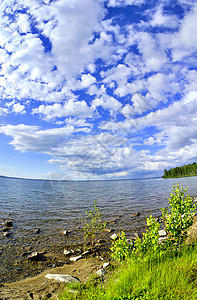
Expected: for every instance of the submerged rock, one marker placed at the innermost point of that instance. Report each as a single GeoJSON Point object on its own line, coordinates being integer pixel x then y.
{"type": "Point", "coordinates": [6, 234]}
{"type": "Point", "coordinates": [62, 278]}
{"type": "Point", "coordinates": [135, 215]}
{"type": "Point", "coordinates": [8, 223]}
{"type": "Point", "coordinates": [33, 256]}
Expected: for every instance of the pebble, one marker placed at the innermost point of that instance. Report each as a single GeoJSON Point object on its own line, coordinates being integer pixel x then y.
{"type": "Point", "coordinates": [107, 230]}
{"type": "Point", "coordinates": [113, 236]}
{"type": "Point", "coordinates": [101, 272]}
{"type": "Point", "coordinates": [105, 265]}
{"type": "Point", "coordinates": [75, 258]}
{"type": "Point", "coordinates": [67, 252]}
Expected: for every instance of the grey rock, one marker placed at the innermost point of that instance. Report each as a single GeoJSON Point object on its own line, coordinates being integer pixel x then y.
{"type": "Point", "coordinates": [162, 233]}
{"type": "Point", "coordinates": [105, 265]}
{"type": "Point", "coordinates": [62, 278]}
{"type": "Point", "coordinates": [101, 272]}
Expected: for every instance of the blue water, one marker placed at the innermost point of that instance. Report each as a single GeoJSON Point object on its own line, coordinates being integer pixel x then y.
{"type": "Point", "coordinates": [33, 202]}
{"type": "Point", "coordinates": [54, 206]}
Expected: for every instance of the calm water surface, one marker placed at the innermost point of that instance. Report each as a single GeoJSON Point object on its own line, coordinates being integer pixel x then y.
{"type": "Point", "coordinates": [53, 206]}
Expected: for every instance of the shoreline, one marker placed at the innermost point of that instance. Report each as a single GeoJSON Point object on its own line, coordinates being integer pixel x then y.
{"type": "Point", "coordinates": [38, 287]}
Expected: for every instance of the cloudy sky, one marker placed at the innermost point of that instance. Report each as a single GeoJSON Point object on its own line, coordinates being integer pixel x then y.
{"type": "Point", "coordinates": [97, 89]}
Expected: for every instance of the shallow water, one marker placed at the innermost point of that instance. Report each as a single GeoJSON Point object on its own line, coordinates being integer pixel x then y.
{"type": "Point", "coordinates": [53, 206]}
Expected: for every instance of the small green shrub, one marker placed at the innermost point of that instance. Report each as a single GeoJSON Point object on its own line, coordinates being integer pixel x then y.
{"type": "Point", "coordinates": [149, 242]}
{"type": "Point", "coordinates": [178, 217]}
{"type": "Point", "coordinates": [92, 224]}
{"type": "Point", "coordinates": [121, 249]}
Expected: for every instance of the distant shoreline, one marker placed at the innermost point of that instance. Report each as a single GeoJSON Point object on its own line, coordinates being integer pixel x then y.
{"type": "Point", "coordinates": [87, 180]}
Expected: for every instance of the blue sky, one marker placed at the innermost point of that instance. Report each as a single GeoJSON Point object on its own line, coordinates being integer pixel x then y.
{"type": "Point", "coordinates": [97, 89]}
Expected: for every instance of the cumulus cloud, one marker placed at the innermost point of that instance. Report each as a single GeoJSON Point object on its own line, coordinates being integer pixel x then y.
{"type": "Point", "coordinates": [78, 109]}
{"type": "Point", "coordinates": [101, 76]}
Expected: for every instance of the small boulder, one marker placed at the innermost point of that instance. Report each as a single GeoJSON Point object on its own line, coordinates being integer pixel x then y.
{"type": "Point", "coordinates": [62, 278]}
{"type": "Point", "coordinates": [36, 230]}
{"type": "Point", "coordinates": [65, 232]}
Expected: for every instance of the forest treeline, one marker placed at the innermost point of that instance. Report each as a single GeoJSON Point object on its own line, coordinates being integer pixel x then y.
{"type": "Point", "coordinates": [184, 171]}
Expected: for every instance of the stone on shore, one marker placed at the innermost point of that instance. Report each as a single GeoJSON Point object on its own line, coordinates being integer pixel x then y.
{"type": "Point", "coordinates": [67, 252]}
{"type": "Point", "coordinates": [107, 230]}
{"type": "Point", "coordinates": [101, 272]}
{"type": "Point", "coordinates": [62, 278]}
{"type": "Point", "coordinates": [114, 236]}
{"type": "Point", "coordinates": [75, 258]}
{"type": "Point", "coordinates": [162, 233]}
{"type": "Point", "coordinates": [105, 265]}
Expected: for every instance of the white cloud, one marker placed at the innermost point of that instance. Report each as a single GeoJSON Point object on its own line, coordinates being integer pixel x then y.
{"type": "Point", "coordinates": [87, 80]}
{"type": "Point", "coordinates": [161, 19]}
{"type": "Point", "coordinates": [70, 108]}
{"type": "Point", "coordinates": [185, 41]}
{"type": "Point", "coordinates": [18, 108]}
{"type": "Point", "coordinates": [114, 3]}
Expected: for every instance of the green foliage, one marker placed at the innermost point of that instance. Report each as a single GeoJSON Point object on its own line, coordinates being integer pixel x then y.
{"type": "Point", "coordinates": [184, 171]}
{"type": "Point", "coordinates": [172, 278]}
{"type": "Point", "coordinates": [149, 242]}
{"type": "Point", "coordinates": [176, 219]}
{"type": "Point", "coordinates": [146, 274]}
{"type": "Point", "coordinates": [92, 224]}
{"type": "Point", "coordinates": [179, 216]}
{"type": "Point", "coordinates": [121, 249]}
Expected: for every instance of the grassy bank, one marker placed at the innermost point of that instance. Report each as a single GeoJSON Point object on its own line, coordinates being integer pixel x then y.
{"type": "Point", "coordinates": [152, 269]}
{"type": "Point", "coordinates": [172, 277]}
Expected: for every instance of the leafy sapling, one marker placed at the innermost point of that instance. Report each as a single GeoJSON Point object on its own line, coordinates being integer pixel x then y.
{"type": "Point", "coordinates": [93, 224]}
{"type": "Point", "coordinates": [179, 216]}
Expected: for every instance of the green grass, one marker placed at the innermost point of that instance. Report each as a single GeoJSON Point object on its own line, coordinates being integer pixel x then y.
{"type": "Point", "coordinates": [172, 277]}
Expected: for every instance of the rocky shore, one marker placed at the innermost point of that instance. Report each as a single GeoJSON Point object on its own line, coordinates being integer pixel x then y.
{"type": "Point", "coordinates": [76, 263]}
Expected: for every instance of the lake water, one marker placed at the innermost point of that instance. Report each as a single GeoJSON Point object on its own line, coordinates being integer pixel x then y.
{"type": "Point", "coordinates": [53, 206]}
